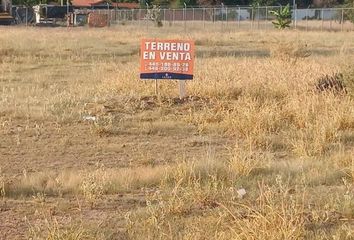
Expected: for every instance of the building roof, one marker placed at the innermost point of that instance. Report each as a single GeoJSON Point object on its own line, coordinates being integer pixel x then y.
{"type": "Point", "coordinates": [126, 5]}
{"type": "Point", "coordinates": [90, 3]}
{"type": "Point", "coordinates": [86, 3]}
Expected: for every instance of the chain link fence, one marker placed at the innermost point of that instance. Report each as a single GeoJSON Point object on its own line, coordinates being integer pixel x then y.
{"type": "Point", "coordinates": [229, 18]}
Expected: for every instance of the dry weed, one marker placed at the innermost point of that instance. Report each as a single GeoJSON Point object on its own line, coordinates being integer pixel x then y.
{"type": "Point", "coordinates": [49, 228]}
{"type": "Point", "coordinates": [245, 160]}
{"type": "Point", "coordinates": [278, 214]}
{"type": "Point", "coordinates": [93, 185]}
{"type": "Point", "coordinates": [290, 51]}
{"type": "Point", "coordinates": [2, 184]}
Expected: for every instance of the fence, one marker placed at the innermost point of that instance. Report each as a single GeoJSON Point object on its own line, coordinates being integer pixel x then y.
{"type": "Point", "coordinates": [228, 18]}
{"type": "Point", "coordinates": [333, 19]}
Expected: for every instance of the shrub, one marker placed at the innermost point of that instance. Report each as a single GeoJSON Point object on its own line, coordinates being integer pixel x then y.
{"type": "Point", "coordinates": [2, 185]}
{"type": "Point", "coordinates": [333, 83]}
{"type": "Point", "coordinates": [93, 185]}
{"type": "Point", "coordinates": [348, 78]}
{"type": "Point", "coordinates": [283, 17]}
{"type": "Point", "coordinates": [154, 14]}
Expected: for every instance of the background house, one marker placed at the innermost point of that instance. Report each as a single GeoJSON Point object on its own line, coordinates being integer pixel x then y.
{"type": "Point", "coordinates": [6, 6]}
{"type": "Point", "coordinates": [5, 12]}
{"type": "Point", "coordinates": [103, 3]}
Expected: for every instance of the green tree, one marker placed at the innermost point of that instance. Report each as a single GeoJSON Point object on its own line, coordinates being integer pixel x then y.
{"type": "Point", "coordinates": [257, 3]}
{"type": "Point", "coordinates": [154, 14]}
{"type": "Point", "coordinates": [28, 3]}
{"type": "Point", "coordinates": [282, 17]}
{"type": "Point", "coordinates": [349, 13]}
{"type": "Point", "coordinates": [209, 2]}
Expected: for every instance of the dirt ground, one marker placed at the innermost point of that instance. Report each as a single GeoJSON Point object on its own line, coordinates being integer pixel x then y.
{"type": "Point", "coordinates": [50, 147]}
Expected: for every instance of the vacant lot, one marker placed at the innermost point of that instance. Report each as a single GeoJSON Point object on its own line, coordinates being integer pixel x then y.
{"type": "Point", "coordinates": [87, 151]}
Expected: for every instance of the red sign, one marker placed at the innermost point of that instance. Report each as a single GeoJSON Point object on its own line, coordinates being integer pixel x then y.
{"type": "Point", "coordinates": [166, 59]}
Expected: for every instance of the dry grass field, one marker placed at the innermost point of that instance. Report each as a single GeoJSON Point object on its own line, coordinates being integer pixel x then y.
{"type": "Point", "coordinates": [254, 152]}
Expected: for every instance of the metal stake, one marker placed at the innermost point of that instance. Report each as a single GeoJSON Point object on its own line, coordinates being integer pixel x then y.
{"type": "Point", "coordinates": [184, 17]}
{"type": "Point", "coordinates": [173, 16]}
{"type": "Point", "coordinates": [26, 16]}
{"type": "Point", "coordinates": [203, 17]}
{"type": "Point", "coordinates": [322, 19]}
{"type": "Point", "coordinates": [226, 16]}
{"type": "Point", "coordinates": [266, 17]}
{"type": "Point", "coordinates": [330, 22]}
{"type": "Point", "coordinates": [139, 16]}
{"type": "Point", "coordinates": [193, 14]}
{"type": "Point", "coordinates": [342, 20]}
{"type": "Point", "coordinates": [239, 16]}
{"type": "Point", "coordinates": [307, 19]}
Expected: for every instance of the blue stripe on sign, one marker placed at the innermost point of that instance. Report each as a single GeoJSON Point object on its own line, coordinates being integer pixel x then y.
{"type": "Point", "coordinates": [166, 75]}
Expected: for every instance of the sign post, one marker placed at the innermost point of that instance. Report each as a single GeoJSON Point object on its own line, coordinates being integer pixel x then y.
{"type": "Point", "coordinates": [156, 87]}
{"type": "Point", "coordinates": [167, 59]}
{"type": "Point", "coordinates": [182, 88]}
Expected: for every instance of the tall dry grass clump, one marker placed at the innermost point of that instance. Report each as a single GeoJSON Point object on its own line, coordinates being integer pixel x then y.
{"type": "Point", "coordinates": [92, 184]}
{"type": "Point", "coordinates": [344, 160]}
{"type": "Point", "coordinates": [2, 184]}
{"type": "Point", "coordinates": [277, 214]}
{"type": "Point", "coordinates": [245, 160]}
{"type": "Point", "coordinates": [317, 122]}
{"type": "Point", "coordinates": [276, 99]}
{"type": "Point", "coordinates": [51, 229]}
{"type": "Point", "coordinates": [292, 51]}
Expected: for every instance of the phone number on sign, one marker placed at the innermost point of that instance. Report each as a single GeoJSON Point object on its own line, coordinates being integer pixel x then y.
{"type": "Point", "coordinates": [156, 66]}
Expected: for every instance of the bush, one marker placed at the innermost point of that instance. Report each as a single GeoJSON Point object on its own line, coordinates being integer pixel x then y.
{"type": "Point", "coordinates": [154, 14]}
{"type": "Point", "coordinates": [332, 83]}
{"type": "Point", "coordinates": [283, 17]}
{"type": "Point", "coordinates": [348, 78]}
